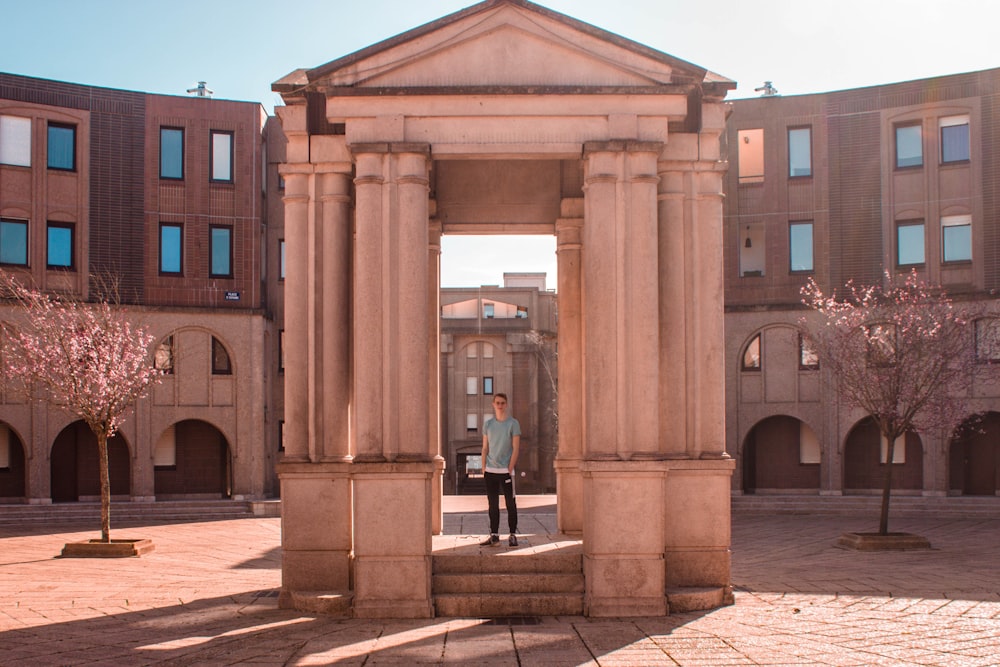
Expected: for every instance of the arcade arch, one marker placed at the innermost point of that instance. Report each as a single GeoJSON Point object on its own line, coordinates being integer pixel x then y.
{"type": "Point", "coordinates": [781, 454]}
{"type": "Point", "coordinates": [13, 472]}
{"type": "Point", "coordinates": [74, 467]}
{"type": "Point", "coordinates": [974, 457]}
{"type": "Point", "coordinates": [865, 452]}
{"type": "Point", "coordinates": [192, 458]}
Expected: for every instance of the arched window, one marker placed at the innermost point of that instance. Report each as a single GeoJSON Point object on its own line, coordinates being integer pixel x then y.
{"type": "Point", "coordinates": [221, 364]}
{"type": "Point", "coordinates": [751, 355]}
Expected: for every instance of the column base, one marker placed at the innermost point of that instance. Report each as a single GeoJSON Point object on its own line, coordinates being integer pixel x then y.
{"type": "Point", "coordinates": [569, 496]}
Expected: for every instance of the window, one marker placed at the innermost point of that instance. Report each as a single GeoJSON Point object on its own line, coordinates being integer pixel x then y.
{"type": "Point", "coordinates": [281, 351]}
{"type": "Point", "coordinates": [881, 343]}
{"type": "Point", "coordinates": [165, 453]}
{"type": "Point", "coordinates": [488, 386]}
{"type": "Point", "coordinates": [809, 449]}
{"type": "Point", "coordinates": [471, 422]}
{"type": "Point", "coordinates": [281, 435]}
{"type": "Point", "coordinates": [522, 312]}
{"type": "Point", "coordinates": [800, 246]}
{"type": "Point", "coordinates": [808, 358]}
{"type": "Point", "coordinates": [472, 351]}
{"type": "Point", "coordinates": [910, 242]}
{"type": "Point", "coordinates": [281, 259]}
{"type": "Point", "coordinates": [750, 155]}
{"type": "Point", "coordinates": [799, 152]}
{"type": "Point", "coordinates": [221, 252]}
{"type": "Point", "coordinates": [471, 386]}
{"type": "Point", "coordinates": [59, 245]}
{"type": "Point", "coordinates": [954, 138]}
{"type": "Point", "coordinates": [752, 257]}
{"type": "Point", "coordinates": [62, 147]}
{"type": "Point", "coordinates": [909, 146]}
{"type": "Point", "coordinates": [898, 449]}
{"type": "Point", "coordinates": [221, 166]}
{"type": "Point", "coordinates": [988, 340]}
{"type": "Point", "coordinates": [163, 358]}
{"type": "Point", "coordinates": [751, 356]}
{"type": "Point", "coordinates": [171, 153]}
{"type": "Point", "coordinates": [13, 242]}
{"type": "Point", "coordinates": [487, 350]}
{"type": "Point", "coordinates": [4, 447]}
{"type": "Point", "coordinates": [956, 238]}
{"type": "Point", "coordinates": [171, 248]}
{"type": "Point", "coordinates": [220, 358]}
{"type": "Point", "coordinates": [488, 310]}
{"type": "Point", "coordinates": [15, 141]}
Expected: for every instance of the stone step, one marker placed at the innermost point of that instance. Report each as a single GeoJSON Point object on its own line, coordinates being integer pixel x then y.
{"type": "Point", "coordinates": [987, 507]}
{"type": "Point", "coordinates": [329, 603]}
{"type": "Point", "coordinates": [496, 605]}
{"type": "Point", "coordinates": [125, 511]}
{"type": "Point", "coordinates": [508, 583]}
{"type": "Point", "coordinates": [510, 562]}
{"type": "Point", "coordinates": [685, 599]}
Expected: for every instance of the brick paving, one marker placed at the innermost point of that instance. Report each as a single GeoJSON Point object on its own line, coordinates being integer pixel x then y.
{"type": "Point", "coordinates": [207, 596]}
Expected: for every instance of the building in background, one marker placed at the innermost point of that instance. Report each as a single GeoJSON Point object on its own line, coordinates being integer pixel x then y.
{"type": "Point", "coordinates": [168, 196]}
{"type": "Point", "coordinates": [841, 186]}
{"type": "Point", "coordinates": [499, 340]}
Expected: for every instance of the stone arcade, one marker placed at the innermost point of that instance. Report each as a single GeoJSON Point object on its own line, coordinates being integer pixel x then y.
{"type": "Point", "coordinates": [505, 117]}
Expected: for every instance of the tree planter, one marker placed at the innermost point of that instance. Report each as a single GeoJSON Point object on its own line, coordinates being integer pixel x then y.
{"type": "Point", "coordinates": [113, 549]}
{"type": "Point", "coordinates": [887, 542]}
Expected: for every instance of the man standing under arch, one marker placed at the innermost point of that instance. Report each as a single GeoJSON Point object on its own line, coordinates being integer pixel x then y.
{"type": "Point", "coordinates": [501, 441]}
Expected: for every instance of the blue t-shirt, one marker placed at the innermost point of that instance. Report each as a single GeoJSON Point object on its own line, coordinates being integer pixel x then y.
{"type": "Point", "coordinates": [500, 436]}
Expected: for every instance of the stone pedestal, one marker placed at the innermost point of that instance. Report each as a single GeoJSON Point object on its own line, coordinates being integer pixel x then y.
{"type": "Point", "coordinates": [392, 540]}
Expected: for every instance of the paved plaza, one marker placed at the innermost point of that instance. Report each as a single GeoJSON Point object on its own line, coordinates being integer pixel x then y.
{"type": "Point", "coordinates": [208, 596]}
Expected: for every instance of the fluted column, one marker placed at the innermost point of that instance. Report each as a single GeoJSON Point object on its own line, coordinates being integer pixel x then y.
{"type": "Point", "coordinates": [569, 484]}
{"type": "Point", "coordinates": [674, 207]}
{"type": "Point", "coordinates": [334, 304]}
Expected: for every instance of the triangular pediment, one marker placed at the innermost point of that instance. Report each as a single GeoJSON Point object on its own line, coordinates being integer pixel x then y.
{"type": "Point", "coordinates": [501, 43]}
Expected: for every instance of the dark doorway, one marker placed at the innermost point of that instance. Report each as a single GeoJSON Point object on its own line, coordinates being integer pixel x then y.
{"type": "Point", "coordinates": [75, 472]}
{"type": "Point", "coordinates": [974, 457]}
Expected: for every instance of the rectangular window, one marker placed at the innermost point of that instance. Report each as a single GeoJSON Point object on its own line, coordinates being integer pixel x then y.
{"type": "Point", "coordinates": [15, 141]}
{"type": "Point", "coordinates": [808, 359]}
{"type": "Point", "coordinates": [909, 146]}
{"type": "Point", "coordinates": [281, 351]}
{"type": "Point", "coordinates": [800, 246]}
{"type": "Point", "coordinates": [752, 256]}
{"type": "Point", "coordinates": [59, 245]}
{"type": "Point", "coordinates": [471, 385]}
{"type": "Point", "coordinates": [14, 242]}
{"type": "Point", "coordinates": [487, 350]}
{"type": "Point", "coordinates": [956, 238]}
{"type": "Point", "coordinates": [488, 310]}
{"type": "Point", "coordinates": [221, 250]}
{"type": "Point", "coordinates": [62, 147]}
{"type": "Point", "coordinates": [488, 386]}
{"type": "Point", "coordinates": [472, 351]}
{"type": "Point", "coordinates": [910, 243]}
{"type": "Point", "coordinates": [809, 449]}
{"type": "Point", "coordinates": [281, 435]}
{"type": "Point", "coordinates": [281, 259]}
{"type": "Point", "coordinates": [799, 152]}
{"type": "Point", "coordinates": [954, 139]}
{"type": "Point", "coordinates": [988, 340]}
{"type": "Point", "coordinates": [163, 358]}
{"type": "Point", "coordinates": [165, 452]}
{"type": "Point", "coordinates": [750, 153]}
{"type": "Point", "coordinates": [472, 422]}
{"type": "Point", "coordinates": [4, 447]}
{"type": "Point", "coordinates": [221, 166]}
{"type": "Point", "coordinates": [171, 248]}
{"type": "Point", "coordinates": [898, 450]}
{"type": "Point", "coordinates": [171, 153]}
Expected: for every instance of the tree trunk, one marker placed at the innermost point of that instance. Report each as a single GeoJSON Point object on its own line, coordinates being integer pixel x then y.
{"type": "Point", "coordinates": [102, 450]}
{"type": "Point", "coordinates": [883, 524]}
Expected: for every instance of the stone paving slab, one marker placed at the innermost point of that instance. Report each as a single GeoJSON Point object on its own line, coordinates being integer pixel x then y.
{"type": "Point", "coordinates": [207, 596]}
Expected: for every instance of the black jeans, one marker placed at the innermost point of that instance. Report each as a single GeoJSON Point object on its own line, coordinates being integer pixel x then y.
{"type": "Point", "coordinates": [494, 482]}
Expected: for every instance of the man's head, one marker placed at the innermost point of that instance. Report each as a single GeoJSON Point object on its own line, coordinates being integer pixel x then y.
{"type": "Point", "coordinates": [500, 404]}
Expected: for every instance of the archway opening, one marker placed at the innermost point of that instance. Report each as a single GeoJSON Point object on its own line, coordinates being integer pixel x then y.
{"type": "Point", "coordinates": [192, 459]}
{"type": "Point", "coordinates": [13, 473]}
{"type": "Point", "coordinates": [974, 457]}
{"type": "Point", "coordinates": [781, 454]}
{"type": "Point", "coordinates": [865, 454]}
{"type": "Point", "coordinates": [75, 470]}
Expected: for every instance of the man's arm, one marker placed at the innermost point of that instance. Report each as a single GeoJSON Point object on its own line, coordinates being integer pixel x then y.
{"type": "Point", "coordinates": [486, 450]}
{"type": "Point", "coordinates": [516, 444]}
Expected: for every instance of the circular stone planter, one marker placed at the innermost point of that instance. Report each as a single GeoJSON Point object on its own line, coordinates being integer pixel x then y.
{"type": "Point", "coordinates": [112, 549]}
{"type": "Point", "coordinates": [887, 542]}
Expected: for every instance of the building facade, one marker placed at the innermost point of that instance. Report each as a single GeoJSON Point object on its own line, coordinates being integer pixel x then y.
{"type": "Point", "coordinates": [166, 196]}
{"type": "Point", "coordinates": [499, 340]}
{"type": "Point", "coordinates": [843, 186]}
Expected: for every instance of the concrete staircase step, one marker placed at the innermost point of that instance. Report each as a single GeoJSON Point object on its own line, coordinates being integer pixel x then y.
{"type": "Point", "coordinates": [496, 605]}
{"type": "Point", "coordinates": [508, 583]}
{"type": "Point", "coordinates": [509, 562]}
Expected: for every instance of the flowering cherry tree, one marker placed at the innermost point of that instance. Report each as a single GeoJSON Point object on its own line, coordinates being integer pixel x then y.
{"type": "Point", "coordinates": [85, 357]}
{"type": "Point", "coordinates": [900, 352]}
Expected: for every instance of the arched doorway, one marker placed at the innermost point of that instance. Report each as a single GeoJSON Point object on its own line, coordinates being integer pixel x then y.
{"type": "Point", "coordinates": [974, 457]}
{"type": "Point", "coordinates": [12, 468]}
{"type": "Point", "coordinates": [781, 454]}
{"type": "Point", "coordinates": [864, 460]}
{"type": "Point", "coordinates": [75, 470]}
{"type": "Point", "coordinates": [191, 460]}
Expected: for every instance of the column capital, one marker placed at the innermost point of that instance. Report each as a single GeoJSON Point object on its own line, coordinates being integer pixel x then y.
{"type": "Point", "coordinates": [391, 147]}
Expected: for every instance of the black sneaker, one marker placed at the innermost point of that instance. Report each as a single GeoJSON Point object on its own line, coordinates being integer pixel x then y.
{"type": "Point", "coordinates": [491, 541]}
{"type": "Point", "coordinates": [512, 540]}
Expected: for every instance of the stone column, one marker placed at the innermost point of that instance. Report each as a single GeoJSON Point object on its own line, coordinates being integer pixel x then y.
{"type": "Point", "coordinates": [569, 482]}
{"type": "Point", "coordinates": [674, 209]}
{"type": "Point", "coordinates": [434, 371]}
{"type": "Point", "coordinates": [622, 482]}
{"type": "Point", "coordinates": [393, 466]}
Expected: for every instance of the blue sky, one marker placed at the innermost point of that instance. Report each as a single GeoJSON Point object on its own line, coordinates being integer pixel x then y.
{"type": "Point", "coordinates": [241, 46]}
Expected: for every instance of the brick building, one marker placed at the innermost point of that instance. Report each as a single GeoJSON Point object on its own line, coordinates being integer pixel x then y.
{"type": "Point", "coordinates": [840, 186]}
{"type": "Point", "coordinates": [168, 195]}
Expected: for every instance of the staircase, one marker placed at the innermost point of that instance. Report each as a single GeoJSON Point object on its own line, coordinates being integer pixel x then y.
{"type": "Point", "coordinates": [504, 583]}
{"type": "Point", "coordinates": [126, 512]}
